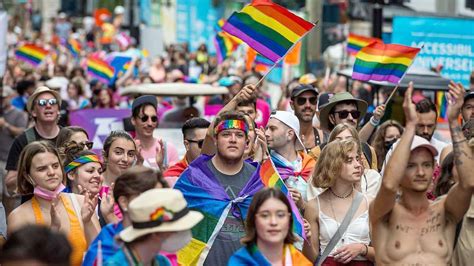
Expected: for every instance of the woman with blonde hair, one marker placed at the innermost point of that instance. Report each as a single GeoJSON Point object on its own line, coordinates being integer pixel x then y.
{"type": "Point", "coordinates": [339, 215]}
{"type": "Point", "coordinates": [370, 181]}
{"type": "Point", "coordinates": [40, 173]}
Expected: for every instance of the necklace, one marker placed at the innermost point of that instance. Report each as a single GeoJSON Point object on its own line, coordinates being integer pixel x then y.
{"type": "Point", "coordinates": [341, 197]}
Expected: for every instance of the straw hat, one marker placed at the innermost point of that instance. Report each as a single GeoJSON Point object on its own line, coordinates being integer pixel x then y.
{"type": "Point", "coordinates": [159, 210]}
{"type": "Point", "coordinates": [37, 92]}
{"type": "Point", "coordinates": [336, 99]}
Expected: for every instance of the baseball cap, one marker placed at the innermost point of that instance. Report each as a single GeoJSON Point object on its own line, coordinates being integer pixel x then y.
{"type": "Point", "coordinates": [298, 90]}
{"type": "Point", "coordinates": [290, 119]}
{"type": "Point", "coordinates": [468, 95]}
{"type": "Point", "coordinates": [145, 99]}
{"type": "Point", "coordinates": [419, 142]}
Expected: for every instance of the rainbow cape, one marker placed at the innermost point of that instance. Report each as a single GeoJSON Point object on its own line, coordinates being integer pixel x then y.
{"type": "Point", "coordinates": [268, 28]}
{"type": "Point", "coordinates": [383, 62]}
{"type": "Point", "coordinates": [100, 69]}
{"type": "Point", "coordinates": [205, 194]}
{"type": "Point", "coordinates": [356, 42]}
{"type": "Point", "coordinates": [251, 255]}
{"type": "Point", "coordinates": [74, 47]}
{"type": "Point", "coordinates": [271, 178]}
{"type": "Point", "coordinates": [31, 53]}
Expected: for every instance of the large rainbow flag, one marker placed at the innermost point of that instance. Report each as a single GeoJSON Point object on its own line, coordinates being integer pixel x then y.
{"type": "Point", "coordinates": [268, 28]}
{"type": "Point", "coordinates": [205, 194]}
{"type": "Point", "coordinates": [442, 104]}
{"type": "Point", "coordinates": [356, 42]}
{"type": "Point", "coordinates": [100, 69]}
{"type": "Point", "coordinates": [383, 62]}
{"type": "Point", "coordinates": [271, 178]}
{"type": "Point", "coordinates": [31, 53]}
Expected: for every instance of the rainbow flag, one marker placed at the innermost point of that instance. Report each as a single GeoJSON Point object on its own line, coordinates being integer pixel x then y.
{"type": "Point", "coordinates": [383, 62]}
{"type": "Point", "coordinates": [356, 42]}
{"type": "Point", "coordinates": [100, 69]}
{"type": "Point", "coordinates": [74, 47]}
{"type": "Point", "coordinates": [31, 53]}
{"type": "Point", "coordinates": [442, 104]}
{"type": "Point", "coordinates": [268, 28]}
{"type": "Point", "coordinates": [271, 178]}
{"type": "Point", "coordinates": [225, 43]}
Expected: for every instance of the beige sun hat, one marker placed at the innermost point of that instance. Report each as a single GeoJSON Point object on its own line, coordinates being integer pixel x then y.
{"type": "Point", "coordinates": [159, 210]}
{"type": "Point", "coordinates": [37, 92]}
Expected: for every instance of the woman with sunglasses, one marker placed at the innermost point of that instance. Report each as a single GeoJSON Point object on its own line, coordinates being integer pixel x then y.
{"type": "Point", "coordinates": [72, 136]}
{"type": "Point", "coordinates": [41, 174]}
{"type": "Point", "coordinates": [269, 237]}
{"type": "Point", "coordinates": [339, 170]}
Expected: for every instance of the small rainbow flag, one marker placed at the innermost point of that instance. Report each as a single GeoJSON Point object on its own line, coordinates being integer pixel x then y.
{"type": "Point", "coordinates": [31, 53]}
{"type": "Point", "coordinates": [268, 28]}
{"type": "Point", "coordinates": [74, 47]}
{"type": "Point", "coordinates": [271, 178]}
{"type": "Point", "coordinates": [356, 42]}
{"type": "Point", "coordinates": [383, 62]}
{"type": "Point", "coordinates": [442, 104]}
{"type": "Point", "coordinates": [225, 43]}
{"type": "Point", "coordinates": [100, 69]}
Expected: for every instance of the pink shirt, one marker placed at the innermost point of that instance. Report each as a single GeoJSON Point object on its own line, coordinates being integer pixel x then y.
{"type": "Point", "coordinates": [149, 154]}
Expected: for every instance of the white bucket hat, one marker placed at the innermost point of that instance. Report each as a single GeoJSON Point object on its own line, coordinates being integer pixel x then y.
{"type": "Point", "coordinates": [159, 210]}
{"type": "Point", "coordinates": [289, 119]}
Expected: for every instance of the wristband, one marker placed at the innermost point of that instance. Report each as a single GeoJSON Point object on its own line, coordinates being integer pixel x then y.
{"type": "Point", "coordinates": [366, 250]}
{"type": "Point", "coordinates": [374, 122]}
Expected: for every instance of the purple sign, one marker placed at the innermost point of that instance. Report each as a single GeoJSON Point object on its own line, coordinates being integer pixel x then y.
{"type": "Point", "coordinates": [99, 123]}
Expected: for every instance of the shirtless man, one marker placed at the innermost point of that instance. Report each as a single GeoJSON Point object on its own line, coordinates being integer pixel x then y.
{"type": "Point", "coordinates": [413, 230]}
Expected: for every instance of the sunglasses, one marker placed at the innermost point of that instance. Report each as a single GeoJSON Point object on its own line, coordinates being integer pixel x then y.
{"type": "Point", "coordinates": [302, 100]}
{"type": "Point", "coordinates": [344, 114]}
{"type": "Point", "coordinates": [199, 142]}
{"type": "Point", "coordinates": [44, 102]}
{"type": "Point", "coordinates": [87, 144]}
{"type": "Point", "coordinates": [144, 118]}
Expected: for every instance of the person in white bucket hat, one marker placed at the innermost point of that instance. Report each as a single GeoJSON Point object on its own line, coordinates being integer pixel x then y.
{"type": "Point", "coordinates": [161, 221]}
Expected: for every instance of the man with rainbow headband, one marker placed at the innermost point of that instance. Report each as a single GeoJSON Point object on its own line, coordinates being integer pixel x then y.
{"type": "Point", "coordinates": [221, 187]}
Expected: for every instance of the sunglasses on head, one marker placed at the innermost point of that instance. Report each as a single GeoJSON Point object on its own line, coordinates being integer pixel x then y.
{"type": "Point", "coordinates": [344, 114]}
{"type": "Point", "coordinates": [199, 142]}
{"type": "Point", "coordinates": [144, 118]}
{"type": "Point", "coordinates": [44, 102]}
{"type": "Point", "coordinates": [303, 100]}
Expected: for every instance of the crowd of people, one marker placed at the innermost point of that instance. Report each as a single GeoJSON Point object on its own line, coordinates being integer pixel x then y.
{"type": "Point", "coordinates": [370, 190]}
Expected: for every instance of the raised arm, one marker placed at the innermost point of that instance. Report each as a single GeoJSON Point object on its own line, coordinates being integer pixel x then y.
{"type": "Point", "coordinates": [385, 199]}
{"type": "Point", "coordinates": [366, 131]}
{"type": "Point", "coordinates": [244, 94]}
{"type": "Point", "coordinates": [459, 196]}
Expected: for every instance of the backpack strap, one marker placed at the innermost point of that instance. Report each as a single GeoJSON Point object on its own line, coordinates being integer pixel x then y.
{"type": "Point", "coordinates": [30, 135]}
{"type": "Point", "coordinates": [367, 153]}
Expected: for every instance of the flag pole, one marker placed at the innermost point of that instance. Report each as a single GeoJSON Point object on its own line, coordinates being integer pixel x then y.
{"type": "Point", "coordinates": [281, 58]}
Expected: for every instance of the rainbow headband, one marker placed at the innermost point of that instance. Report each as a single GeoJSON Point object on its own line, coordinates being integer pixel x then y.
{"type": "Point", "coordinates": [80, 161]}
{"type": "Point", "coordinates": [231, 124]}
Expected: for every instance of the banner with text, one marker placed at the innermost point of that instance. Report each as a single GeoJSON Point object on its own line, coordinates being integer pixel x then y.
{"type": "Point", "coordinates": [445, 42]}
{"type": "Point", "coordinates": [99, 123]}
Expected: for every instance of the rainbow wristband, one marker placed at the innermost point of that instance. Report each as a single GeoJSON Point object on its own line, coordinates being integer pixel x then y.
{"type": "Point", "coordinates": [231, 124]}
{"type": "Point", "coordinates": [80, 161]}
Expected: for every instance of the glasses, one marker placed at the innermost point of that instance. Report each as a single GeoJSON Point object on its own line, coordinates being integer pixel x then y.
{"type": "Point", "coordinates": [266, 215]}
{"type": "Point", "coordinates": [303, 100]}
{"type": "Point", "coordinates": [44, 102]}
{"type": "Point", "coordinates": [79, 146]}
{"type": "Point", "coordinates": [87, 144]}
{"type": "Point", "coordinates": [199, 142]}
{"type": "Point", "coordinates": [144, 118]}
{"type": "Point", "coordinates": [344, 114]}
